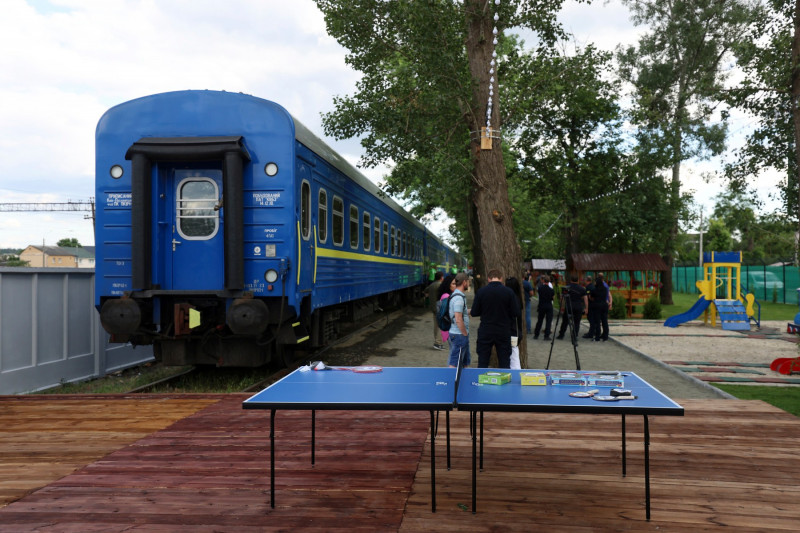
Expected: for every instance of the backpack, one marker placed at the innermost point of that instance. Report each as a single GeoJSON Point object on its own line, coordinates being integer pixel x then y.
{"type": "Point", "coordinates": [443, 314]}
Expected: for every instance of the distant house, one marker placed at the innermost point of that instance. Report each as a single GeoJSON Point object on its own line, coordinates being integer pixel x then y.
{"type": "Point", "coordinates": [58, 256]}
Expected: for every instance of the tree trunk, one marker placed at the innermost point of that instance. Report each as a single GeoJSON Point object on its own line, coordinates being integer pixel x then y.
{"type": "Point", "coordinates": [478, 265]}
{"type": "Point", "coordinates": [499, 247]}
{"type": "Point", "coordinates": [674, 200]}
{"type": "Point", "coordinates": [498, 242]}
{"type": "Point", "coordinates": [796, 104]}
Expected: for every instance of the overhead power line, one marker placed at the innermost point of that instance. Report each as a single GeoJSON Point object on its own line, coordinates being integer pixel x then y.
{"type": "Point", "coordinates": [49, 206]}
{"type": "Point", "coordinates": [69, 205]}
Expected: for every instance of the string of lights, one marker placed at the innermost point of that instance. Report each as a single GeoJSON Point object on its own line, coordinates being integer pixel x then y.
{"type": "Point", "coordinates": [492, 65]}
{"type": "Point", "coordinates": [617, 191]}
{"type": "Point", "coordinates": [551, 227]}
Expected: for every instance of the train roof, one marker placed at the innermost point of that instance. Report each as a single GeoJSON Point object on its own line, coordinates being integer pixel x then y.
{"type": "Point", "coordinates": [320, 147]}
{"type": "Point", "coordinates": [316, 145]}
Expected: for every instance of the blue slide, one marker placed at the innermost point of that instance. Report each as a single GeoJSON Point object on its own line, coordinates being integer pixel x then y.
{"type": "Point", "coordinates": [696, 310]}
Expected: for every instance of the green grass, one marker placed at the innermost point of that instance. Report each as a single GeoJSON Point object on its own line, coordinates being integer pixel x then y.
{"type": "Point", "coordinates": [205, 380]}
{"type": "Point", "coordinates": [786, 398]}
{"type": "Point", "coordinates": [769, 311]}
{"type": "Point", "coordinates": [118, 382]}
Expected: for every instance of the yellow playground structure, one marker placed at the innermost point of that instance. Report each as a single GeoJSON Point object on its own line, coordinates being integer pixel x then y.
{"type": "Point", "coordinates": [721, 295]}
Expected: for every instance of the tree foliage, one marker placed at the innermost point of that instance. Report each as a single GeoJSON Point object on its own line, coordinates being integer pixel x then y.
{"type": "Point", "coordinates": [69, 243]}
{"type": "Point", "coordinates": [422, 100]}
{"type": "Point", "coordinates": [678, 86]}
{"type": "Point", "coordinates": [766, 92]}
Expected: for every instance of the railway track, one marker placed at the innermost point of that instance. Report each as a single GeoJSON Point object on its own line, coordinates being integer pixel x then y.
{"type": "Point", "coordinates": [178, 381]}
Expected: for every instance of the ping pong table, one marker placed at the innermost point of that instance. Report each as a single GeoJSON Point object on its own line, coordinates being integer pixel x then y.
{"type": "Point", "coordinates": [437, 389]}
{"type": "Point", "coordinates": [344, 388]}
{"type": "Point", "coordinates": [513, 397]}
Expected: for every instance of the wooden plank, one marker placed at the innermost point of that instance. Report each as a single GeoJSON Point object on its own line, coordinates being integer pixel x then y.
{"type": "Point", "coordinates": [210, 471]}
{"type": "Point", "coordinates": [727, 464]}
{"type": "Point", "coordinates": [44, 438]}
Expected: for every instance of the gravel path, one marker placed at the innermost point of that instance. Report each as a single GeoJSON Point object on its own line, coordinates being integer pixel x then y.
{"type": "Point", "coordinates": [640, 346]}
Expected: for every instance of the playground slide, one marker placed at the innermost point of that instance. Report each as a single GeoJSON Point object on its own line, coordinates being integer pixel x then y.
{"type": "Point", "coordinates": [696, 310]}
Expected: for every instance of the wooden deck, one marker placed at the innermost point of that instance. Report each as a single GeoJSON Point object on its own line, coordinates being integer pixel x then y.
{"type": "Point", "coordinates": [202, 464]}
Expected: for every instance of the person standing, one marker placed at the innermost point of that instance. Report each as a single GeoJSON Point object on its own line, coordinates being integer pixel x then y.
{"type": "Point", "coordinates": [575, 306]}
{"type": "Point", "coordinates": [431, 293]}
{"type": "Point", "coordinates": [497, 306]}
{"type": "Point", "coordinates": [459, 320]}
{"type": "Point", "coordinates": [516, 328]}
{"type": "Point", "coordinates": [599, 306]}
{"type": "Point", "coordinates": [545, 308]}
{"type": "Point", "coordinates": [591, 310]}
{"type": "Point", "coordinates": [445, 290]}
{"type": "Point", "coordinates": [527, 290]}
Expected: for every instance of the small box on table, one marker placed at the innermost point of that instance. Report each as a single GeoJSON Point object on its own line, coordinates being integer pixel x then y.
{"type": "Point", "coordinates": [605, 379]}
{"type": "Point", "coordinates": [494, 378]}
{"type": "Point", "coordinates": [567, 378]}
{"type": "Point", "coordinates": [533, 378]}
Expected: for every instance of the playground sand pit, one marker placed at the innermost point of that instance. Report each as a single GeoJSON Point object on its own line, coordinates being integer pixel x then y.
{"type": "Point", "coordinates": [709, 352]}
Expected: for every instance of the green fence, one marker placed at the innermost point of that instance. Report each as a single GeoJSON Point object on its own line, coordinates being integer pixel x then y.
{"type": "Point", "coordinates": [774, 283]}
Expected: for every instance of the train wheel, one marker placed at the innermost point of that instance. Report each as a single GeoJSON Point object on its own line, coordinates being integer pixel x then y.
{"type": "Point", "coordinates": [286, 355]}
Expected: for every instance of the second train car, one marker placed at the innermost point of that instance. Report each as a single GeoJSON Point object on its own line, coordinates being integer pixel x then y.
{"type": "Point", "coordinates": [229, 234]}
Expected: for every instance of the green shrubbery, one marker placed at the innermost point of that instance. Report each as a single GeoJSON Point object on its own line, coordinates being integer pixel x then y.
{"type": "Point", "coordinates": [652, 309]}
{"type": "Point", "coordinates": [618, 307]}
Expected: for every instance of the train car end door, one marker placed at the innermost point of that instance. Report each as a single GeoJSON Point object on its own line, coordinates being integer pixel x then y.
{"type": "Point", "coordinates": [192, 243]}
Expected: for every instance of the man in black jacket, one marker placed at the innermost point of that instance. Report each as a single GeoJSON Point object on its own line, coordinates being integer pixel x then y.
{"type": "Point", "coordinates": [497, 306]}
{"type": "Point", "coordinates": [545, 308]}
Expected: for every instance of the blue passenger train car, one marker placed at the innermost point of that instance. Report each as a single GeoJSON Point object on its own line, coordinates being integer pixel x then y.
{"type": "Point", "coordinates": [229, 234]}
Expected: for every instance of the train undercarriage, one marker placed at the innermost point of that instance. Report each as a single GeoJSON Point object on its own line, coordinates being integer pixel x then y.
{"type": "Point", "coordinates": [200, 330]}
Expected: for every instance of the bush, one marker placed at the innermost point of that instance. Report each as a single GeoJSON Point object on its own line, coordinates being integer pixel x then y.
{"type": "Point", "coordinates": [618, 307]}
{"type": "Point", "coordinates": [652, 309]}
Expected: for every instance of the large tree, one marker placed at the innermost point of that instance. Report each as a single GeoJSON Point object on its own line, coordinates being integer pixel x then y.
{"type": "Point", "coordinates": [571, 145]}
{"type": "Point", "coordinates": [678, 79]}
{"type": "Point", "coordinates": [423, 98]}
{"type": "Point", "coordinates": [770, 91]}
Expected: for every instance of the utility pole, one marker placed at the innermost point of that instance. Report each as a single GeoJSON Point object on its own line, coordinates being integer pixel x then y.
{"type": "Point", "coordinates": [701, 239]}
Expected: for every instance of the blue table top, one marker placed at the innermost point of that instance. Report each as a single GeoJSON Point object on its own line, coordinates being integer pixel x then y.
{"type": "Point", "coordinates": [401, 388]}
{"type": "Point", "coordinates": [433, 388]}
{"type": "Point", "coordinates": [556, 399]}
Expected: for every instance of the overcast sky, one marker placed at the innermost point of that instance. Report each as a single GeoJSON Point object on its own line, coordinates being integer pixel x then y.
{"type": "Point", "coordinates": [65, 62]}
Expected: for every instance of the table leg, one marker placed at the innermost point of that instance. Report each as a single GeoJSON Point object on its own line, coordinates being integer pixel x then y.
{"type": "Point", "coordinates": [447, 416]}
{"type": "Point", "coordinates": [647, 466]}
{"type": "Point", "coordinates": [481, 441]}
{"type": "Point", "coordinates": [433, 464]}
{"type": "Point", "coordinates": [473, 416]}
{"type": "Point", "coordinates": [624, 450]}
{"type": "Point", "coordinates": [272, 458]}
{"type": "Point", "coordinates": [313, 435]}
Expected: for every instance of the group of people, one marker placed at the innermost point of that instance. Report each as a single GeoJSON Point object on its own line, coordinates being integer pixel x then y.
{"type": "Point", "coordinates": [497, 304]}
{"type": "Point", "coordinates": [501, 311]}
{"type": "Point", "coordinates": [592, 297]}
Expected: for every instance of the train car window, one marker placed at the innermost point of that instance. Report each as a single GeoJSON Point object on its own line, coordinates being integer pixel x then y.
{"type": "Point", "coordinates": [353, 226]}
{"type": "Point", "coordinates": [404, 242]}
{"type": "Point", "coordinates": [338, 221]}
{"type": "Point", "coordinates": [394, 241]}
{"type": "Point", "coordinates": [322, 215]}
{"type": "Point", "coordinates": [305, 209]}
{"type": "Point", "coordinates": [197, 219]}
{"type": "Point", "coordinates": [385, 237]}
{"type": "Point", "coordinates": [367, 229]}
{"type": "Point", "coordinates": [377, 235]}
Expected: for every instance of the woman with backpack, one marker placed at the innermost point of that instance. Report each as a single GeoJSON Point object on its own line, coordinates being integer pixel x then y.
{"type": "Point", "coordinates": [446, 288]}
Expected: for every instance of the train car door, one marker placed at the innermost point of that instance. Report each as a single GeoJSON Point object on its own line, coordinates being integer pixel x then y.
{"type": "Point", "coordinates": [192, 242]}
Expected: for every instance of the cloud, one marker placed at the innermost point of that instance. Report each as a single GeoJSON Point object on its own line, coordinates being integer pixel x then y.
{"type": "Point", "coordinates": [74, 59]}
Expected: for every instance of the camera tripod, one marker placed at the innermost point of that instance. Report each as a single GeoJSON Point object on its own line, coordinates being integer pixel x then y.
{"type": "Point", "coordinates": [565, 308]}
